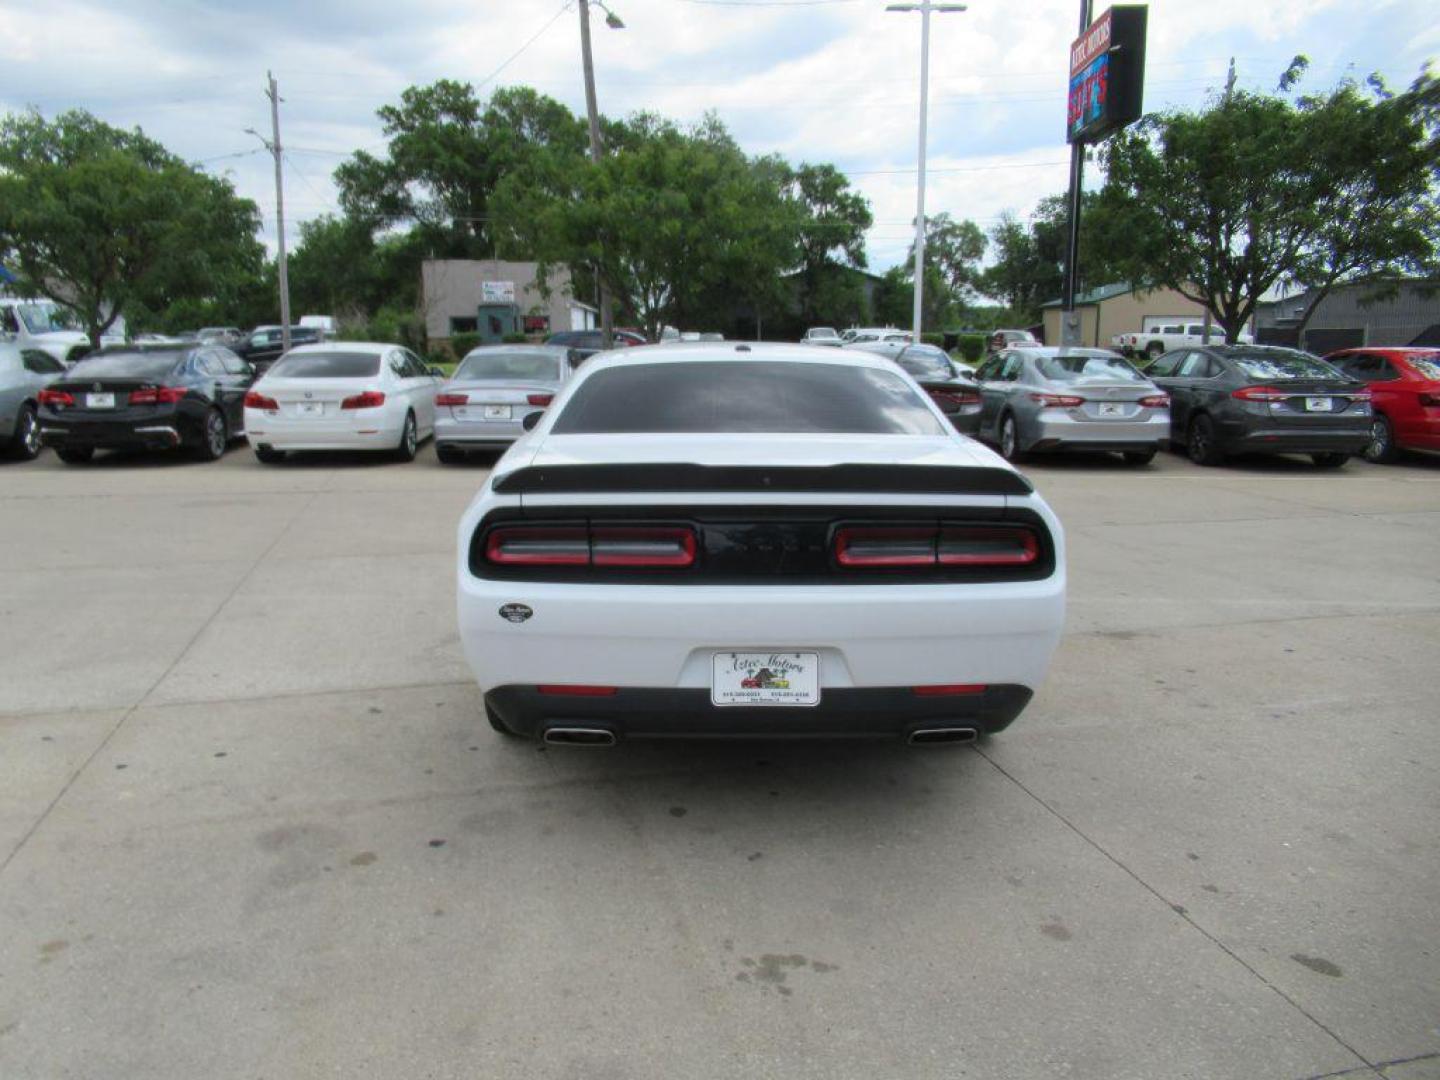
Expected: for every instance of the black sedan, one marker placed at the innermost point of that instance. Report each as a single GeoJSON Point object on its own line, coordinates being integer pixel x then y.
{"type": "Point", "coordinates": [264, 345]}
{"type": "Point", "coordinates": [957, 396]}
{"type": "Point", "coordinates": [1254, 399]}
{"type": "Point", "coordinates": [162, 397]}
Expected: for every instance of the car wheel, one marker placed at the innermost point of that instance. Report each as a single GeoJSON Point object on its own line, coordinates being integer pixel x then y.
{"type": "Point", "coordinates": [1009, 439]}
{"type": "Point", "coordinates": [75, 455]}
{"type": "Point", "coordinates": [1329, 461]}
{"type": "Point", "coordinates": [409, 440]}
{"type": "Point", "coordinates": [497, 723]}
{"type": "Point", "coordinates": [448, 455]}
{"type": "Point", "coordinates": [214, 438]}
{"type": "Point", "coordinates": [268, 456]}
{"type": "Point", "coordinates": [1139, 457]}
{"type": "Point", "coordinates": [1201, 442]}
{"type": "Point", "coordinates": [26, 446]}
{"type": "Point", "coordinates": [1380, 450]}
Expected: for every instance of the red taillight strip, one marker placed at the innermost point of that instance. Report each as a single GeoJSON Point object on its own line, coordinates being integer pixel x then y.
{"type": "Point", "coordinates": [865, 547]}
{"type": "Point", "coordinates": [538, 547]}
{"type": "Point", "coordinates": [452, 399]}
{"type": "Point", "coordinates": [1058, 401]}
{"type": "Point", "coordinates": [576, 690]}
{"type": "Point", "coordinates": [987, 541]}
{"type": "Point", "coordinates": [626, 546]}
{"type": "Point", "coordinates": [256, 400]}
{"type": "Point", "coordinates": [56, 398]}
{"type": "Point", "coordinates": [633, 546]}
{"type": "Point", "coordinates": [539, 399]}
{"type": "Point", "coordinates": [367, 399]}
{"type": "Point", "coordinates": [157, 395]}
{"type": "Point", "coordinates": [949, 689]}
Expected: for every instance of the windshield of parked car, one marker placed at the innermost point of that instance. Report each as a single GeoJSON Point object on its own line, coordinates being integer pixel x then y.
{"type": "Point", "coordinates": [824, 331]}
{"type": "Point", "coordinates": [924, 363]}
{"type": "Point", "coordinates": [126, 365]}
{"type": "Point", "coordinates": [746, 396]}
{"type": "Point", "coordinates": [1283, 365]}
{"type": "Point", "coordinates": [508, 365]}
{"type": "Point", "coordinates": [325, 365]}
{"type": "Point", "coordinates": [44, 318]}
{"type": "Point", "coordinates": [1087, 368]}
{"type": "Point", "coordinates": [1427, 367]}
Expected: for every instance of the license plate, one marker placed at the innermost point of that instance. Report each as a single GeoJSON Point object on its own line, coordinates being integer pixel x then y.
{"type": "Point", "coordinates": [310, 408]}
{"type": "Point", "coordinates": [765, 678]}
{"type": "Point", "coordinates": [1111, 408]}
{"type": "Point", "coordinates": [497, 412]}
{"type": "Point", "coordinates": [1317, 404]}
{"type": "Point", "coordinates": [99, 401]}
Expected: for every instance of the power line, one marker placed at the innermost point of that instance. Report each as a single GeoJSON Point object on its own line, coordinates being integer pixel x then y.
{"type": "Point", "coordinates": [563, 9]}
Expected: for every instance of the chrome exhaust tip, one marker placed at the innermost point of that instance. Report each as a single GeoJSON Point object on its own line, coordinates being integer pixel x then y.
{"type": "Point", "coordinates": [578, 736]}
{"type": "Point", "coordinates": [931, 736]}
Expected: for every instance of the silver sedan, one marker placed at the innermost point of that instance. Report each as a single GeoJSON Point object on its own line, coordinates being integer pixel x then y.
{"type": "Point", "coordinates": [1039, 398]}
{"type": "Point", "coordinates": [484, 404]}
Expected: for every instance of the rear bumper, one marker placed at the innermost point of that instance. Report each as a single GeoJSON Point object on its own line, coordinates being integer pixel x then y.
{"type": "Point", "coordinates": [110, 436]}
{"type": "Point", "coordinates": [1239, 439]}
{"type": "Point", "coordinates": [656, 713]}
{"type": "Point", "coordinates": [364, 433]}
{"type": "Point", "coordinates": [477, 433]}
{"type": "Point", "coordinates": [1063, 432]}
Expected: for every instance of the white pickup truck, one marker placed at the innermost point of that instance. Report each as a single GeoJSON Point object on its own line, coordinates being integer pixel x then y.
{"type": "Point", "coordinates": [1161, 333]}
{"type": "Point", "coordinates": [45, 325]}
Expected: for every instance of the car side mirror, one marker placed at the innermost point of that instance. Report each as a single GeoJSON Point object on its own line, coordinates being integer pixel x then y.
{"type": "Point", "coordinates": [531, 419]}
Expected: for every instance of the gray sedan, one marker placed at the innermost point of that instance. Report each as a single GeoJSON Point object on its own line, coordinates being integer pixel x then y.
{"type": "Point", "coordinates": [1044, 399]}
{"type": "Point", "coordinates": [486, 401]}
{"type": "Point", "coordinates": [23, 374]}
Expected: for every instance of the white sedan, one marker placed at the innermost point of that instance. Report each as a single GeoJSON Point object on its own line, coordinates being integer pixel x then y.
{"type": "Point", "coordinates": [342, 396]}
{"type": "Point", "coordinates": [755, 541]}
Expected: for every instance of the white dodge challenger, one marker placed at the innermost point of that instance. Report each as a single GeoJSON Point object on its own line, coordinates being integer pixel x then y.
{"type": "Point", "coordinates": [752, 541]}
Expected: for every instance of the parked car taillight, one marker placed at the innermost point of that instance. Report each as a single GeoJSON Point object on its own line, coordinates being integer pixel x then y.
{"type": "Point", "coordinates": [866, 546]}
{"type": "Point", "coordinates": [1059, 401]}
{"type": "Point", "coordinates": [1155, 401]}
{"type": "Point", "coordinates": [452, 399]}
{"type": "Point", "coordinates": [955, 397]}
{"type": "Point", "coordinates": [540, 399]}
{"type": "Point", "coordinates": [260, 401]}
{"type": "Point", "coordinates": [1260, 393]}
{"type": "Point", "coordinates": [56, 399]}
{"type": "Point", "coordinates": [634, 546]}
{"type": "Point", "coordinates": [157, 395]}
{"type": "Point", "coordinates": [369, 399]}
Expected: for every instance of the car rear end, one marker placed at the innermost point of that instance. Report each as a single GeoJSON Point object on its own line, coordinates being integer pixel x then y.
{"type": "Point", "coordinates": [1417, 426]}
{"type": "Point", "coordinates": [494, 389]}
{"type": "Point", "coordinates": [325, 397]}
{"type": "Point", "coordinates": [794, 586]}
{"type": "Point", "coordinates": [1291, 403]}
{"type": "Point", "coordinates": [1093, 402]}
{"type": "Point", "coordinates": [123, 400]}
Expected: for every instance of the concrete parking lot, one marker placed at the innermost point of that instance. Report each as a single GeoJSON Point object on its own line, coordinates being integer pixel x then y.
{"type": "Point", "coordinates": [253, 823]}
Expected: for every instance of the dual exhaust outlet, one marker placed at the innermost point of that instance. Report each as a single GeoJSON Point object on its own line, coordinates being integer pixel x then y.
{"type": "Point", "coordinates": [598, 736]}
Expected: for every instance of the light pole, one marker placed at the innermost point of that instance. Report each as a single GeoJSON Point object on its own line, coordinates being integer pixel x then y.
{"type": "Point", "coordinates": [925, 7]}
{"type": "Point", "coordinates": [273, 145]}
{"type": "Point", "coordinates": [613, 21]}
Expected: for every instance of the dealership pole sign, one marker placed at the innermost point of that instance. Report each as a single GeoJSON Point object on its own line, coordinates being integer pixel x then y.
{"type": "Point", "coordinates": [1107, 75]}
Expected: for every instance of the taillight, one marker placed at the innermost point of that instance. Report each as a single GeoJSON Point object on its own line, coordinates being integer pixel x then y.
{"type": "Point", "coordinates": [603, 545]}
{"type": "Point", "coordinates": [1359, 395]}
{"type": "Point", "coordinates": [1260, 393]}
{"type": "Point", "coordinates": [56, 399]}
{"type": "Point", "coordinates": [452, 399]}
{"type": "Point", "coordinates": [1428, 401]}
{"type": "Point", "coordinates": [956, 397]}
{"type": "Point", "coordinates": [948, 689]}
{"type": "Point", "coordinates": [566, 546]}
{"type": "Point", "coordinates": [867, 546]}
{"type": "Point", "coordinates": [157, 395]}
{"type": "Point", "coordinates": [370, 399]}
{"type": "Point", "coordinates": [260, 401]}
{"type": "Point", "coordinates": [1155, 401]}
{"type": "Point", "coordinates": [540, 399]}
{"type": "Point", "coordinates": [1058, 401]}
{"type": "Point", "coordinates": [576, 690]}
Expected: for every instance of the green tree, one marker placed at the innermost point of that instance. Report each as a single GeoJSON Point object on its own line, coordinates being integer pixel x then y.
{"type": "Point", "coordinates": [107, 222]}
{"type": "Point", "coordinates": [831, 226]}
{"type": "Point", "coordinates": [953, 250]}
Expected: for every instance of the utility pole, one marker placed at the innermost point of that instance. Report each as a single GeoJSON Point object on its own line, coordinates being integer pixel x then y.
{"type": "Point", "coordinates": [925, 8]}
{"type": "Point", "coordinates": [1069, 320]}
{"type": "Point", "coordinates": [1210, 315]}
{"type": "Point", "coordinates": [607, 329]}
{"type": "Point", "coordinates": [273, 145]}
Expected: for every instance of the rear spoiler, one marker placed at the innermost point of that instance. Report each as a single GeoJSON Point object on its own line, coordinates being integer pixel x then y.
{"type": "Point", "coordinates": [902, 479]}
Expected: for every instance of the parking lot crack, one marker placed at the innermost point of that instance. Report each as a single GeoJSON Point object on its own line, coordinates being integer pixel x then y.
{"type": "Point", "coordinates": [1365, 1064]}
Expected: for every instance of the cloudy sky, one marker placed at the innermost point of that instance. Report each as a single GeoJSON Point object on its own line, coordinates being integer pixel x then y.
{"type": "Point", "coordinates": [814, 80]}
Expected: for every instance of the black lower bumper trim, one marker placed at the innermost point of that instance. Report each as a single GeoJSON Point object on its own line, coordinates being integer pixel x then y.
{"type": "Point", "coordinates": [867, 713]}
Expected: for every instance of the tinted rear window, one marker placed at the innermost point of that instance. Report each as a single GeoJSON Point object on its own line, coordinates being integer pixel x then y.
{"type": "Point", "coordinates": [1087, 369]}
{"type": "Point", "coordinates": [326, 365]}
{"type": "Point", "coordinates": [126, 365]}
{"type": "Point", "coordinates": [1283, 365]}
{"type": "Point", "coordinates": [512, 365]}
{"type": "Point", "coordinates": [735, 397]}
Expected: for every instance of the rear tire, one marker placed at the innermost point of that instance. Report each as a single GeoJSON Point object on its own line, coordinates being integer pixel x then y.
{"type": "Point", "coordinates": [1138, 458]}
{"type": "Point", "coordinates": [1381, 449]}
{"type": "Point", "coordinates": [497, 723]}
{"type": "Point", "coordinates": [214, 437]}
{"type": "Point", "coordinates": [1009, 439]}
{"type": "Point", "coordinates": [75, 455]}
{"type": "Point", "coordinates": [26, 444]}
{"type": "Point", "coordinates": [448, 455]}
{"type": "Point", "coordinates": [268, 456]}
{"type": "Point", "coordinates": [1200, 442]}
{"type": "Point", "coordinates": [1329, 461]}
{"type": "Point", "coordinates": [409, 440]}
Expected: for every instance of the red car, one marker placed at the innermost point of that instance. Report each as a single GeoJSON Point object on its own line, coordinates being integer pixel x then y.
{"type": "Point", "coordinates": [1405, 388]}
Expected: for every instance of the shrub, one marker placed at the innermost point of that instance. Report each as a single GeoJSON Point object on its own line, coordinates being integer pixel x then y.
{"type": "Point", "coordinates": [460, 344]}
{"type": "Point", "coordinates": [931, 338]}
{"type": "Point", "coordinates": [515, 339]}
{"type": "Point", "coordinates": [972, 347]}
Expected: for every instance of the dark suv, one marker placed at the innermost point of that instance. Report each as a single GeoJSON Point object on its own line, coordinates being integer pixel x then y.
{"type": "Point", "coordinates": [1253, 399]}
{"type": "Point", "coordinates": [263, 347]}
{"type": "Point", "coordinates": [588, 342]}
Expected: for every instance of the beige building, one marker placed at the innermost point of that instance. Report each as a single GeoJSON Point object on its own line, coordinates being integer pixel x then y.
{"type": "Point", "coordinates": [1117, 309]}
{"type": "Point", "coordinates": [492, 297]}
